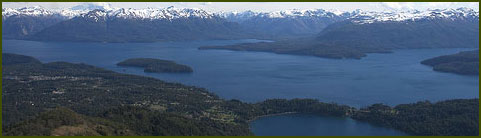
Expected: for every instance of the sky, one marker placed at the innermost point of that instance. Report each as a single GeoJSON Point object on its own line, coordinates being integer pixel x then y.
{"type": "Point", "coordinates": [259, 6]}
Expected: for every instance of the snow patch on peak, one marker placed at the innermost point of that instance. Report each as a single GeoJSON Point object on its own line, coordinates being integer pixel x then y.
{"type": "Point", "coordinates": [337, 12]}
{"type": "Point", "coordinates": [97, 11]}
{"type": "Point", "coordinates": [104, 10]}
{"type": "Point", "coordinates": [291, 13]}
{"type": "Point", "coordinates": [366, 17]}
{"type": "Point", "coordinates": [168, 13]}
{"type": "Point", "coordinates": [163, 13]}
{"type": "Point", "coordinates": [96, 15]}
{"type": "Point", "coordinates": [40, 12]}
{"type": "Point", "coordinates": [30, 11]}
{"type": "Point", "coordinates": [299, 13]}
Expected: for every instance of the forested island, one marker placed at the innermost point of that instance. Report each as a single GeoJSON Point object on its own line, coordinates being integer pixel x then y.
{"type": "Point", "coordinates": [466, 62]}
{"type": "Point", "coordinates": [60, 98]}
{"type": "Point", "coordinates": [156, 65]}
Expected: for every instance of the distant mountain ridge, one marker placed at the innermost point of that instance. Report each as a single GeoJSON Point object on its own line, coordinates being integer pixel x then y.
{"type": "Point", "coordinates": [38, 11]}
{"type": "Point", "coordinates": [428, 33]}
{"type": "Point", "coordinates": [128, 26]}
{"type": "Point", "coordinates": [115, 25]}
{"type": "Point", "coordinates": [296, 22]}
{"type": "Point", "coordinates": [34, 22]}
{"type": "Point", "coordinates": [147, 13]}
{"type": "Point", "coordinates": [360, 16]}
{"type": "Point", "coordinates": [286, 23]}
{"type": "Point", "coordinates": [366, 33]}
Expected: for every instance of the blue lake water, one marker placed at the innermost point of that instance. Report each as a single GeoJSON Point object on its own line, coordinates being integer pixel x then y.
{"type": "Point", "coordinates": [392, 79]}
{"type": "Point", "coordinates": [313, 125]}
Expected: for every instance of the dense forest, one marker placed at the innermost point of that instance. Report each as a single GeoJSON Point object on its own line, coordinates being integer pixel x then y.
{"type": "Point", "coordinates": [451, 117]}
{"type": "Point", "coordinates": [466, 62]}
{"type": "Point", "coordinates": [31, 87]}
{"type": "Point", "coordinates": [65, 122]}
{"type": "Point", "coordinates": [62, 98]}
{"type": "Point", "coordinates": [156, 65]}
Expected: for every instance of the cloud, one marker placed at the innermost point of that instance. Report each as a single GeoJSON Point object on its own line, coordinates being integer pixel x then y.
{"type": "Point", "coordinates": [398, 5]}
{"type": "Point", "coordinates": [205, 3]}
{"type": "Point", "coordinates": [427, 5]}
{"type": "Point", "coordinates": [92, 6]}
{"type": "Point", "coordinates": [440, 4]}
{"type": "Point", "coordinates": [473, 4]}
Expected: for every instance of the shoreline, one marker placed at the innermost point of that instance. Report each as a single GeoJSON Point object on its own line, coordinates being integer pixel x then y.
{"type": "Point", "coordinates": [276, 114]}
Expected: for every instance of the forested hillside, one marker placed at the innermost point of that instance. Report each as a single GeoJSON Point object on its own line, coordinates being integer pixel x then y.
{"type": "Point", "coordinates": [451, 117]}
{"type": "Point", "coordinates": [62, 98]}
{"type": "Point", "coordinates": [466, 62]}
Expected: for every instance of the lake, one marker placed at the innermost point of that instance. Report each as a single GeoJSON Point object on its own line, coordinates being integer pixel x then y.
{"type": "Point", "coordinates": [394, 78]}
{"type": "Point", "coordinates": [314, 125]}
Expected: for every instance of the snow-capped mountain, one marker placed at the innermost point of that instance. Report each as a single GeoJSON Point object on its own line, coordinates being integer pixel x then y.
{"type": "Point", "coordinates": [297, 22]}
{"type": "Point", "coordinates": [169, 13]}
{"type": "Point", "coordinates": [358, 16]}
{"type": "Point", "coordinates": [292, 13]}
{"type": "Point", "coordinates": [446, 28]}
{"type": "Point", "coordinates": [126, 13]}
{"type": "Point", "coordinates": [363, 17]}
{"type": "Point", "coordinates": [22, 22]}
{"type": "Point", "coordinates": [140, 25]}
{"type": "Point", "coordinates": [28, 11]}
{"type": "Point", "coordinates": [38, 11]}
{"type": "Point", "coordinates": [18, 23]}
{"type": "Point", "coordinates": [286, 23]}
{"type": "Point", "coordinates": [165, 13]}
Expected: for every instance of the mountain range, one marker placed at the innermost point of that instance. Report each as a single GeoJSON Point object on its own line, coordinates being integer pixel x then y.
{"type": "Point", "coordinates": [116, 25]}
{"type": "Point", "coordinates": [362, 32]}
{"type": "Point", "coordinates": [107, 24]}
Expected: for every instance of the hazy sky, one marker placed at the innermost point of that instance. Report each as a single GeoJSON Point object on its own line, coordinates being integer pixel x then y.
{"type": "Point", "coordinates": [262, 6]}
